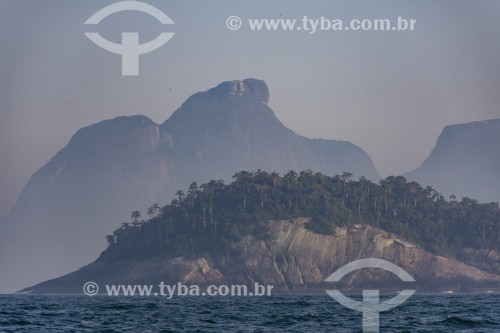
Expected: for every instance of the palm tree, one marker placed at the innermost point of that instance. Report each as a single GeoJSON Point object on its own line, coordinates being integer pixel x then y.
{"type": "Point", "coordinates": [111, 239]}
{"type": "Point", "coordinates": [136, 215]}
{"type": "Point", "coordinates": [291, 176]}
{"type": "Point", "coordinates": [429, 192]}
{"type": "Point", "coordinates": [156, 207]}
{"type": "Point", "coordinates": [346, 177]}
{"type": "Point", "coordinates": [180, 195]}
{"type": "Point", "coordinates": [242, 175]}
{"type": "Point", "coordinates": [263, 194]}
{"type": "Point", "coordinates": [275, 177]}
{"type": "Point", "coordinates": [151, 212]}
{"type": "Point", "coordinates": [220, 183]}
{"type": "Point", "coordinates": [193, 188]}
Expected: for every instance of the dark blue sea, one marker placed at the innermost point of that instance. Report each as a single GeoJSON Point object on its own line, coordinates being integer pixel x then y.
{"type": "Point", "coordinates": [278, 313]}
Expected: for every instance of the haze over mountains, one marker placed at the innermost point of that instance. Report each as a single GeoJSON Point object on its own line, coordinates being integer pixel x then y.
{"type": "Point", "coordinates": [465, 162]}
{"type": "Point", "coordinates": [124, 164]}
{"type": "Point", "coordinates": [116, 166]}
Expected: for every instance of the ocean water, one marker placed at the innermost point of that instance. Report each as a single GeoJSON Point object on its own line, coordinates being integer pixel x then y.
{"type": "Point", "coordinates": [278, 313]}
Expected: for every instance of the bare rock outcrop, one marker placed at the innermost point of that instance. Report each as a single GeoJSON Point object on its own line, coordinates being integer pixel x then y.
{"type": "Point", "coordinates": [256, 88]}
{"type": "Point", "coordinates": [291, 259]}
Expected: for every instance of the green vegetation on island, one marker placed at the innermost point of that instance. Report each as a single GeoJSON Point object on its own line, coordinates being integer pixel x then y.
{"type": "Point", "coordinates": [213, 216]}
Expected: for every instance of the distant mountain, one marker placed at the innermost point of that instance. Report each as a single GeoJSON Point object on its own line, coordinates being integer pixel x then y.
{"type": "Point", "coordinates": [231, 128]}
{"type": "Point", "coordinates": [465, 162]}
{"type": "Point", "coordinates": [128, 163]}
{"type": "Point", "coordinates": [106, 170]}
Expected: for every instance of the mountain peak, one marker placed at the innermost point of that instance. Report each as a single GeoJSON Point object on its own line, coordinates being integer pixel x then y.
{"type": "Point", "coordinates": [127, 163]}
{"type": "Point", "coordinates": [465, 161]}
{"type": "Point", "coordinates": [251, 87]}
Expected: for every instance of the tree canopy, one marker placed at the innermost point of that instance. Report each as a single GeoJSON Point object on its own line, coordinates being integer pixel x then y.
{"type": "Point", "coordinates": [212, 216]}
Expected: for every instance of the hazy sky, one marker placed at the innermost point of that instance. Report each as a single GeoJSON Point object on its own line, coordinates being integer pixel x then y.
{"type": "Point", "coordinates": [390, 93]}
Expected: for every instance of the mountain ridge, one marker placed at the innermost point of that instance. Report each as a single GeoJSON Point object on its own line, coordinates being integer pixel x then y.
{"type": "Point", "coordinates": [115, 166]}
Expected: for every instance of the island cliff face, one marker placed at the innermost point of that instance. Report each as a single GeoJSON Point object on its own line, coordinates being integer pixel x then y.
{"type": "Point", "coordinates": [292, 259]}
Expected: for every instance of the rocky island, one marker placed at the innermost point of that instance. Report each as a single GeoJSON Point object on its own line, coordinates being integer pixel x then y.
{"type": "Point", "coordinates": [293, 231]}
